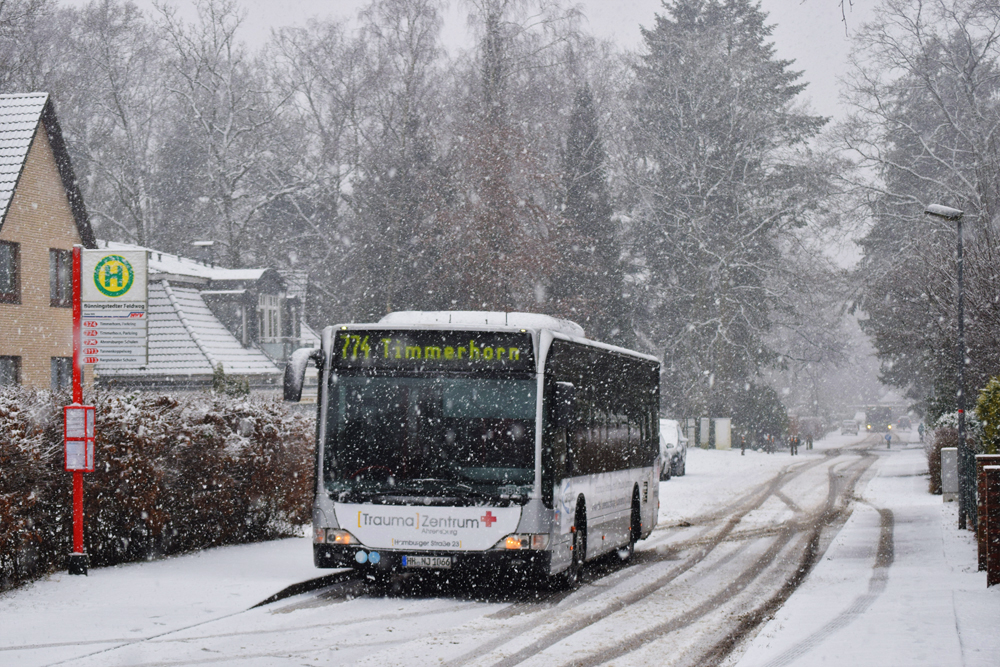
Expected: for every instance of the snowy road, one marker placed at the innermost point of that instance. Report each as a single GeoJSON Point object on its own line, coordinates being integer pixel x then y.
{"type": "Point", "coordinates": [736, 537]}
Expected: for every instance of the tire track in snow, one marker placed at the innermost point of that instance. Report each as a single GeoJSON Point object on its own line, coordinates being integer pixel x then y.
{"type": "Point", "coordinates": [813, 552]}
{"type": "Point", "coordinates": [884, 557]}
{"type": "Point", "coordinates": [743, 506]}
{"type": "Point", "coordinates": [734, 588]}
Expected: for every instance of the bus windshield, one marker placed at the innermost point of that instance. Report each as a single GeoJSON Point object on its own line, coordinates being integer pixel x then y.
{"type": "Point", "coordinates": [430, 436]}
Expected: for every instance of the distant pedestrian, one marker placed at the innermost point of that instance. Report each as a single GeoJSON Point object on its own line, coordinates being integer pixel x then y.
{"type": "Point", "coordinates": [793, 444]}
{"type": "Point", "coordinates": [920, 431]}
{"type": "Point", "coordinates": [809, 441]}
{"type": "Point", "coordinates": [743, 444]}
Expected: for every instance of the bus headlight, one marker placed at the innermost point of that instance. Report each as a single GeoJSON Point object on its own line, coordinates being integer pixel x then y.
{"type": "Point", "coordinates": [525, 541]}
{"type": "Point", "coordinates": [333, 536]}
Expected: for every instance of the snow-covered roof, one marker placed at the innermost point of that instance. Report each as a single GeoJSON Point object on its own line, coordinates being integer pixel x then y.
{"type": "Point", "coordinates": [480, 318]}
{"type": "Point", "coordinates": [20, 117]}
{"type": "Point", "coordinates": [185, 338]}
{"type": "Point", "coordinates": [176, 265]}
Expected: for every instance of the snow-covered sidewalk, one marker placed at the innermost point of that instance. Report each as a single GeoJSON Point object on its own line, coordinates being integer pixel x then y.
{"type": "Point", "coordinates": [51, 619]}
{"type": "Point", "coordinates": [898, 586]}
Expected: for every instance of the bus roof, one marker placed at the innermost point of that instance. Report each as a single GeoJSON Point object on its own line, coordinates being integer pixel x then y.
{"type": "Point", "coordinates": [482, 318]}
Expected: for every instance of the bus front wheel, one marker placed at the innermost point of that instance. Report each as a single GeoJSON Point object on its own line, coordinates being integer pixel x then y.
{"type": "Point", "coordinates": [570, 577]}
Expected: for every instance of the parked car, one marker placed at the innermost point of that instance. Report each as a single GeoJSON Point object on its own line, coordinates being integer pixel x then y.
{"type": "Point", "coordinates": [673, 449]}
{"type": "Point", "coordinates": [849, 426]}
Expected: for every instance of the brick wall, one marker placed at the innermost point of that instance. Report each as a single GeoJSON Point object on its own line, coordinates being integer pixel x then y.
{"type": "Point", "coordinates": [39, 218]}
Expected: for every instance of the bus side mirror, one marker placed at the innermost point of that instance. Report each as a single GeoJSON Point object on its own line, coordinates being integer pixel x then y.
{"type": "Point", "coordinates": [295, 371]}
{"type": "Point", "coordinates": [565, 404]}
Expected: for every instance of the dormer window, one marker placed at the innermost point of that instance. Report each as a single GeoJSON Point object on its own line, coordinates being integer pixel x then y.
{"type": "Point", "coordinates": [269, 314]}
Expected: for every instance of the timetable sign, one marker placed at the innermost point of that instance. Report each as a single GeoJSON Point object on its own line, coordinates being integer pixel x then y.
{"type": "Point", "coordinates": [114, 308]}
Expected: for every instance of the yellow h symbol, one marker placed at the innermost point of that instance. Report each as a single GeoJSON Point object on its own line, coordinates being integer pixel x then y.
{"type": "Point", "coordinates": [118, 275]}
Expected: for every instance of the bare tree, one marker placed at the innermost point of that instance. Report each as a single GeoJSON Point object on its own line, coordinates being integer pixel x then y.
{"type": "Point", "coordinates": [505, 222]}
{"type": "Point", "coordinates": [21, 23]}
{"type": "Point", "coordinates": [222, 149]}
{"type": "Point", "coordinates": [117, 124]}
{"type": "Point", "coordinates": [400, 179]}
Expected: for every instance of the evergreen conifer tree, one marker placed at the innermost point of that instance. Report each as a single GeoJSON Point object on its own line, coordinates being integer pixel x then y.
{"type": "Point", "coordinates": [590, 287]}
{"type": "Point", "coordinates": [721, 184]}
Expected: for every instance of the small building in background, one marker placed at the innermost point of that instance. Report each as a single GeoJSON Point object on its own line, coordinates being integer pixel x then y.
{"type": "Point", "coordinates": [42, 216]}
{"type": "Point", "coordinates": [203, 318]}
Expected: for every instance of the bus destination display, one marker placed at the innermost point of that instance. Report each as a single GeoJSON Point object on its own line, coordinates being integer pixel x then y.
{"type": "Point", "coordinates": [437, 350]}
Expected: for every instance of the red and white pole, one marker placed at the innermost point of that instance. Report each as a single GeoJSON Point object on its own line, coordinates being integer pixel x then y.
{"type": "Point", "coordinates": [77, 559]}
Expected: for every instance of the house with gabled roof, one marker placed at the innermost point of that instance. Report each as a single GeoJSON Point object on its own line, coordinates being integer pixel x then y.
{"type": "Point", "coordinates": [202, 316]}
{"type": "Point", "coordinates": [42, 216]}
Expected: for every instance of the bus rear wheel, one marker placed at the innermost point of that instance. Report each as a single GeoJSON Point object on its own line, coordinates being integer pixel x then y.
{"type": "Point", "coordinates": [634, 529]}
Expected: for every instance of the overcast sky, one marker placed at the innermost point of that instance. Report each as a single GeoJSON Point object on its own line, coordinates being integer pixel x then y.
{"type": "Point", "coordinates": [810, 32]}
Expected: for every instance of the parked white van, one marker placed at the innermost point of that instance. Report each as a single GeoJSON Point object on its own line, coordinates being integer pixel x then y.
{"type": "Point", "coordinates": [673, 448]}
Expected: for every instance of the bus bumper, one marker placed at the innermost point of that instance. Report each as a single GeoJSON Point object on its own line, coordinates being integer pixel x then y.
{"type": "Point", "coordinates": [528, 561]}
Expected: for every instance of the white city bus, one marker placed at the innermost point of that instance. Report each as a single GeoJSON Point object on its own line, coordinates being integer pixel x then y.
{"type": "Point", "coordinates": [480, 440]}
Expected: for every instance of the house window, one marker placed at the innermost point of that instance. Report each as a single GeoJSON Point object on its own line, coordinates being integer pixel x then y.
{"type": "Point", "coordinates": [10, 371]}
{"type": "Point", "coordinates": [62, 373]}
{"type": "Point", "coordinates": [269, 312]}
{"type": "Point", "coordinates": [10, 269]}
{"type": "Point", "coordinates": [60, 278]}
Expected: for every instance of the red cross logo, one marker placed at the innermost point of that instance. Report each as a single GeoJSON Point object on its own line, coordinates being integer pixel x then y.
{"type": "Point", "coordinates": [488, 519]}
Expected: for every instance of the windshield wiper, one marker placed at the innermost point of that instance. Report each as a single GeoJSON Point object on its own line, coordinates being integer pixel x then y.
{"type": "Point", "coordinates": [441, 483]}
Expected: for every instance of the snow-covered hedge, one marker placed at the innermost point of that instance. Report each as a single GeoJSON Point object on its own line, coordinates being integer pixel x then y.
{"type": "Point", "coordinates": [945, 434]}
{"type": "Point", "coordinates": [174, 473]}
{"type": "Point", "coordinates": [973, 429]}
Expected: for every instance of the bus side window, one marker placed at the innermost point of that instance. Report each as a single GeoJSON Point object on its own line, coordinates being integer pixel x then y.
{"type": "Point", "coordinates": [561, 454]}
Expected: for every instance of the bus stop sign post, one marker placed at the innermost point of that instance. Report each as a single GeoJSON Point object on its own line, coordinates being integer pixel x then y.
{"type": "Point", "coordinates": [79, 428]}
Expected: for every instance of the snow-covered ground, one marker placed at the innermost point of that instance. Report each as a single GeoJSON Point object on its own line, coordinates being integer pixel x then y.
{"type": "Point", "coordinates": [717, 478]}
{"type": "Point", "coordinates": [923, 605]}
{"type": "Point", "coordinates": [64, 616]}
{"type": "Point", "coordinates": [898, 586]}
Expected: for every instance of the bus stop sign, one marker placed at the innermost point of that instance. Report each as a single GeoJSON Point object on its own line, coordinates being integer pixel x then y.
{"type": "Point", "coordinates": [78, 437]}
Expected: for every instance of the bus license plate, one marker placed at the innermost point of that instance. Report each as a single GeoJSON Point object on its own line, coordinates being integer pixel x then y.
{"type": "Point", "coordinates": [435, 562]}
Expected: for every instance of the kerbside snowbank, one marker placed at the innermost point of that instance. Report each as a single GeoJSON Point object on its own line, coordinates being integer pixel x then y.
{"type": "Point", "coordinates": [898, 586]}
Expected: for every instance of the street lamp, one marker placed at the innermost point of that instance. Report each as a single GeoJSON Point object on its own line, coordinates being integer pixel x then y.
{"type": "Point", "coordinates": [966, 465]}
